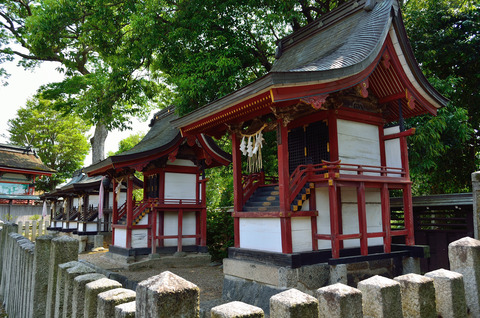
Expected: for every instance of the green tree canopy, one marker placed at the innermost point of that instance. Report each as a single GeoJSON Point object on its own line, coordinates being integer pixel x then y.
{"type": "Point", "coordinates": [445, 36]}
{"type": "Point", "coordinates": [128, 143]}
{"type": "Point", "coordinates": [60, 139]}
{"type": "Point", "coordinates": [104, 83]}
{"type": "Point", "coordinates": [206, 49]}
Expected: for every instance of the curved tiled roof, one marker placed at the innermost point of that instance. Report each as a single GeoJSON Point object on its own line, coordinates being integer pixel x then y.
{"type": "Point", "coordinates": [21, 158]}
{"type": "Point", "coordinates": [161, 137]}
{"type": "Point", "coordinates": [349, 43]}
{"type": "Point", "coordinates": [339, 45]}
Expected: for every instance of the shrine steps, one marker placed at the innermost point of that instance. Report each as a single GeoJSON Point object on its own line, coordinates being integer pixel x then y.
{"type": "Point", "coordinates": [264, 199]}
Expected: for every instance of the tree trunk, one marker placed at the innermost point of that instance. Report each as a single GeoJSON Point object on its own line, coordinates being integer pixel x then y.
{"type": "Point", "coordinates": [98, 143]}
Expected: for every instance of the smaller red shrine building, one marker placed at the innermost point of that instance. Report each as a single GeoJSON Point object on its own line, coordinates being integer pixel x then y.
{"type": "Point", "coordinates": [333, 97]}
{"type": "Point", "coordinates": [74, 206]}
{"type": "Point", "coordinates": [172, 215]}
{"type": "Point", "coordinates": [19, 169]}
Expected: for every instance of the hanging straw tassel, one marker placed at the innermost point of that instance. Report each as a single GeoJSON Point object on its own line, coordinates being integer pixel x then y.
{"type": "Point", "coordinates": [243, 148]}
{"type": "Point", "coordinates": [250, 147]}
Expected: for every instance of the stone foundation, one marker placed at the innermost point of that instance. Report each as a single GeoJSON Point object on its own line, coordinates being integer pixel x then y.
{"type": "Point", "coordinates": [255, 281]}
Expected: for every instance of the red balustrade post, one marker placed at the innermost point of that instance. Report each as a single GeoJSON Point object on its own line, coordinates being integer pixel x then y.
{"type": "Point", "coordinates": [387, 239]}
{"type": "Point", "coordinates": [114, 209]}
{"type": "Point", "coordinates": [180, 230]}
{"type": "Point", "coordinates": [362, 218]}
{"type": "Point", "coordinates": [129, 207]}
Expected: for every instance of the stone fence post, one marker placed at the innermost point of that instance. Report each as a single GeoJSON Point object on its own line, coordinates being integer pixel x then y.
{"type": "Point", "coordinates": [476, 203]}
{"type": "Point", "coordinates": [64, 249]}
{"type": "Point", "coordinates": [293, 303]}
{"type": "Point", "coordinates": [464, 256]}
{"type": "Point", "coordinates": [41, 262]}
{"type": "Point", "coordinates": [450, 293]}
{"type": "Point", "coordinates": [167, 295]}
{"type": "Point", "coordinates": [418, 296]}
{"type": "Point", "coordinates": [237, 309]}
{"type": "Point", "coordinates": [381, 297]}
{"type": "Point", "coordinates": [339, 300]}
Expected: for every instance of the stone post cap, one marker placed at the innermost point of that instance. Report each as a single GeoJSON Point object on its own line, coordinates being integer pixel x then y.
{"type": "Point", "coordinates": [476, 176]}
{"type": "Point", "coordinates": [236, 309]}
{"type": "Point", "coordinates": [466, 241]}
{"type": "Point", "coordinates": [64, 238]}
{"type": "Point", "coordinates": [413, 278]}
{"type": "Point", "coordinates": [339, 289]}
{"type": "Point", "coordinates": [292, 297]}
{"type": "Point", "coordinates": [445, 274]}
{"type": "Point", "coordinates": [103, 283]}
{"type": "Point", "coordinates": [117, 294]}
{"type": "Point", "coordinates": [378, 281]}
{"type": "Point", "coordinates": [88, 278]}
{"type": "Point", "coordinates": [167, 282]}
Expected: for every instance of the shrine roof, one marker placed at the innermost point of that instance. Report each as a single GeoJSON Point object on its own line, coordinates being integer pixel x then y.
{"type": "Point", "coordinates": [161, 137]}
{"type": "Point", "coordinates": [345, 44]}
{"type": "Point", "coordinates": [22, 160]}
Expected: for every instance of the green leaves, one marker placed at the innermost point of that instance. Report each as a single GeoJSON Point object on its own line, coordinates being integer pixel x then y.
{"type": "Point", "coordinates": [59, 138]}
{"type": "Point", "coordinates": [446, 42]}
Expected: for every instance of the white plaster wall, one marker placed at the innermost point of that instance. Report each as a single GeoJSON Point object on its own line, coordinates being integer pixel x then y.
{"type": "Point", "coordinates": [72, 225]}
{"type": "Point", "coordinates": [91, 227]}
{"type": "Point", "coordinates": [120, 237]}
{"type": "Point", "coordinates": [358, 143]}
{"type": "Point", "coordinates": [93, 200]}
{"type": "Point", "coordinates": [139, 238]}
{"type": "Point", "coordinates": [181, 162]}
{"type": "Point", "coordinates": [301, 234]}
{"type": "Point", "coordinates": [323, 218]}
{"type": "Point", "coordinates": [350, 215]}
{"type": "Point", "coordinates": [261, 234]}
{"type": "Point", "coordinates": [171, 227]}
{"type": "Point", "coordinates": [393, 150]}
{"type": "Point", "coordinates": [180, 185]}
{"type": "Point", "coordinates": [122, 198]}
{"type": "Point", "coordinates": [75, 202]}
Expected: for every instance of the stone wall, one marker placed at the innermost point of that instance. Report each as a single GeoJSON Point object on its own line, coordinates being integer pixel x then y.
{"type": "Point", "coordinates": [46, 280]}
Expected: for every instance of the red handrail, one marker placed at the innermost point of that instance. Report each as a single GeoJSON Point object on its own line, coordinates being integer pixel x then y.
{"type": "Point", "coordinates": [251, 182]}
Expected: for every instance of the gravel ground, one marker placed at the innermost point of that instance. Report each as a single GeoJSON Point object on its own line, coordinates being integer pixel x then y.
{"type": "Point", "coordinates": [209, 278]}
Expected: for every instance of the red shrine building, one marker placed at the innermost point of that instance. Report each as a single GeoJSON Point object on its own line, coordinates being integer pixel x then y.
{"type": "Point", "coordinates": [74, 206]}
{"type": "Point", "coordinates": [172, 215]}
{"type": "Point", "coordinates": [336, 99]}
{"type": "Point", "coordinates": [20, 167]}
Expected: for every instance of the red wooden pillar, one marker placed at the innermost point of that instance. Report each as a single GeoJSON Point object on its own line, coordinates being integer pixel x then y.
{"type": "Point", "coordinates": [313, 219]}
{"type": "Point", "coordinates": [362, 218]}
{"type": "Point", "coordinates": [237, 186]}
{"type": "Point", "coordinates": [180, 230]}
{"type": "Point", "coordinates": [408, 214]}
{"type": "Point", "coordinates": [161, 227]}
{"type": "Point", "coordinates": [283, 187]}
{"type": "Point", "coordinates": [129, 207]}
{"type": "Point", "coordinates": [387, 239]}
{"type": "Point", "coordinates": [334, 218]}
{"type": "Point", "coordinates": [153, 230]}
{"type": "Point", "coordinates": [203, 214]}
{"type": "Point", "coordinates": [114, 209]}
{"type": "Point", "coordinates": [333, 135]}
{"type": "Point", "coordinates": [407, 194]}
